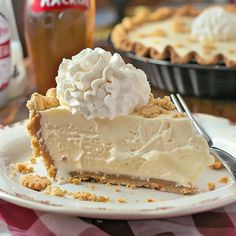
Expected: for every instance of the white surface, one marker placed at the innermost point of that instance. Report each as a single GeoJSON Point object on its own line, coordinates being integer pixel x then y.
{"type": "Point", "coordinates": [15, 147]}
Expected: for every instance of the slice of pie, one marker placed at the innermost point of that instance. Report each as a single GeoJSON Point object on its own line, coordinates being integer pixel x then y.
{"type": "Point", "coordinates": [181, 34]}
{"type": "Point", "coordinates": [102, 124]}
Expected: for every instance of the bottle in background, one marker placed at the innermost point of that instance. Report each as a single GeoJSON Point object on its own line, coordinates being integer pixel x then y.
{"type": "Point", "coordinates": [5, 59]}
{"type": "Point", "coordinates": [56, 30]}
{"type": "Point", "coordinates": [12, 70]}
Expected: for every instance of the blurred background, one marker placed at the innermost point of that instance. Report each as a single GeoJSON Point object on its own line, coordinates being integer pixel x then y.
{"type": "Point", "coordinates": [109, 12]}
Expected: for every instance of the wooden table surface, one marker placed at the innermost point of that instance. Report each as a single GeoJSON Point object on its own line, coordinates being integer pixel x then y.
{"type": "Point", "coordinates": [16, 110]}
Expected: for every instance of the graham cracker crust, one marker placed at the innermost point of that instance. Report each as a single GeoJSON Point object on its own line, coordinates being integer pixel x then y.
{"type": "Point", "coordinates": [161, 185]}
{"type": "Point", "coordinates": [35, 104]}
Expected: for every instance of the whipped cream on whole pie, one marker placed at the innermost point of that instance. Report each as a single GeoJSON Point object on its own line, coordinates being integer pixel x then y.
{"type": "Point", "coordinates": [147, 143]}
{"type": "Point", "coordinates": [214, 23]}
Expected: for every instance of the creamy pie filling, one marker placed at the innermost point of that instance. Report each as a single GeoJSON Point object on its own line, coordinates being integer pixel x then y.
{"type": "Point", "coordinates": [165, 147]}
{"type": "Point", "coordinates": [102, 122]}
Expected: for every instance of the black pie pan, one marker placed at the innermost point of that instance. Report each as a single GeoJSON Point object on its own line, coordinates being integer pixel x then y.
{"type": "Point", "coordinates": [190, 79]}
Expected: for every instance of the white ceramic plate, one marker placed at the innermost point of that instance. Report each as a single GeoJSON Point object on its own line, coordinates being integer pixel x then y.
{"type": "Point", "coordinates": [15, 147]}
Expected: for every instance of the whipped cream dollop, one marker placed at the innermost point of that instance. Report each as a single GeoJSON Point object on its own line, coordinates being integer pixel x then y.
{"type": "Point", "coordinates": [215, 23]}
{"type": "Point", "coordinates": [100, 85]}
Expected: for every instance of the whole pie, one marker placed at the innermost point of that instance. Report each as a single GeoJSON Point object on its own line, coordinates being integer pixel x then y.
{"type": "Point", "coordinates": [103, 124]}
{"type": "Point", "coordinates": [181, 34]}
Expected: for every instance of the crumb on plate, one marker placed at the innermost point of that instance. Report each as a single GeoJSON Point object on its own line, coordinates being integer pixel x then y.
{"type": "Point", "coordinates": [217, 165]}
{"type": "Point", "coordinates": [33, 160]}
{"type": "Point", "coordinates": [211, 186]}
{"type": "Point", "coordinates": [86, 196]}
{"type": "Point", "coordinates": [121, 200]}
{"type": "Point", "coordinates": [55, 191]}
{"type": "Point", "coordinates": [224, 179]}
{"type": "Point", "coordinates": [24, 168]}
{"type": "Point", "coordinates": [35, 182]}
{"type": "Point", "coordinates": [74, 180]}
{"type": "Point", "coordinates": [150, 200]}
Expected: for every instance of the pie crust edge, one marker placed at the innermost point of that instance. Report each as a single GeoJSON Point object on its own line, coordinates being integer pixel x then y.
{"type": "Point", "coordinates": [121, 41]}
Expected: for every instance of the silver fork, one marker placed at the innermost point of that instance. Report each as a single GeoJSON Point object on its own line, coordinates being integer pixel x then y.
{"type": "Point", "coordinates": [228, 160]}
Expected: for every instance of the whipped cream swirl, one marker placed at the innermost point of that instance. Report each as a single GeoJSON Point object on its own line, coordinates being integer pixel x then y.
{"type": "Point", "coordinates": [215, 23]}
{"type": "Point", "coordinates": [100, 85]}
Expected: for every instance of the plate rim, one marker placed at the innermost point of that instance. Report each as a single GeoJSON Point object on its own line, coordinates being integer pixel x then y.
{"type": "Point", "coordinates": [106, 213]}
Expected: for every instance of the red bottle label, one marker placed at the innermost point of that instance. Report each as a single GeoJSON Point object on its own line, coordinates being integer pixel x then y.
{"type": "Point", "coordinates": [5, 50]}
{"type": "Point", "coordinates": [5, 62]}
{"type": "Point", "coordinates": [50, 5]}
